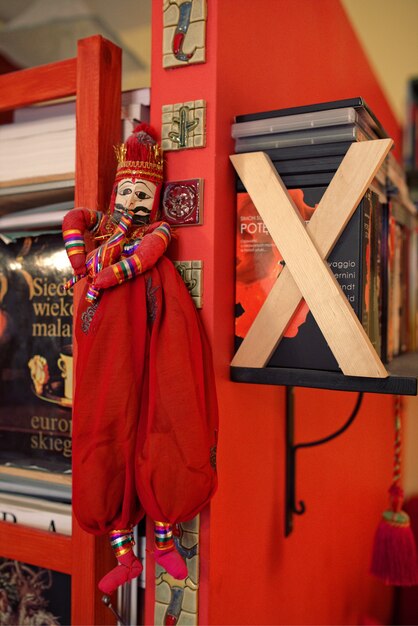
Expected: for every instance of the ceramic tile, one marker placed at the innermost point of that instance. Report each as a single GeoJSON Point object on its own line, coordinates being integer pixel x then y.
{"type": "Point", "coordinates": [184, 32]}
{"type": "Point", "coordinates": [195, 39]}
{"type": "Point", "coordinates": [168, 34]}
{"type": "Point", "coordinates": [192, 274]}
{"type": "Point", "coordinates": [167, 108]}
{"type": "Point", "coordinates": [182, 202]}
{"type": "Point", "coordinates": [170, 14]}
{"type": "Point", "coordinates": [179, 598]}
{"type": "Point", "coordinates": [199, 11]}
{"type": "Point", "coordinates": [187, 128]}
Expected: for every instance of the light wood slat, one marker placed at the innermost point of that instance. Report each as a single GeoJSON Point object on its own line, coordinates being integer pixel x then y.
{"type": "Point", "coordinates": [332, 214]}
{"type": "Point", "coordinates": [334, 315]}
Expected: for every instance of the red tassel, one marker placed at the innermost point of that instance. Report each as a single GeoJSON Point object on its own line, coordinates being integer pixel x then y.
{"type": "Point", "coordinates": [394, 557]}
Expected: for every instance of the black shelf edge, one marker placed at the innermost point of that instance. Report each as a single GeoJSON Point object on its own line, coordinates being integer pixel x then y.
{"type": "Point", "coordinates": [402, 379]}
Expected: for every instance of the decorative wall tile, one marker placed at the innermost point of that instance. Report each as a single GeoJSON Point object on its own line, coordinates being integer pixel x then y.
{"type": "Point", "coordinates": [184, 23]}
{"type": "Point", "coordinates": [192, 274]}
{"type": "Point", "coordinates": [176, 601]}
{"type": "Point", "coordinates": [182, 203]}
{"type": "Point", "coordinates": [184, 125]}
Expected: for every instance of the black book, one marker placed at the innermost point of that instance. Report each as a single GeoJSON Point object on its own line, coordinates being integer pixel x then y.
{"type": "Point", "coordinates": [36, 354]}
{"type": "Point", "coordinates": [309, 152]}
{"type": "Point", "coordinates": [294, 181]}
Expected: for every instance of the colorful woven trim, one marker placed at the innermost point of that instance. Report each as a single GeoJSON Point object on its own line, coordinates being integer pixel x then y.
{"type": "Point", "coordinates": [128, 268]}
{"type": "Point", "coordinates": [92, 294]}
{"type": "Point", "coordinates": [74, 241]}
{"type": "Point", "coordinates": [163, 231]}
{"type": "Point", "coordinates": [163, 536]}
{"type": "Point", "coordinates": [121, 541]}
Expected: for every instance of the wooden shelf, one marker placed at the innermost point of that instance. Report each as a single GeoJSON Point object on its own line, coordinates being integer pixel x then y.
{"type": "Point", "coordinates": [37, 547]}
{"type": "Point", "coordinates": [402, 379]}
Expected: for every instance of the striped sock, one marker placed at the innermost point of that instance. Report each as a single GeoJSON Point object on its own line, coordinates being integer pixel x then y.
{"type": "Point", "coordinates": [163, 536]}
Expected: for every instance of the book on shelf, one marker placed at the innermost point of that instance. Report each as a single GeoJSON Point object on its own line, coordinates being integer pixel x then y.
{"type": "Point", "coordinates": [306, 145]}
{"type": "Point", "coordinates": [36, 482]}
{"type": "Point", "coordinates": [259, 263]}
{"type": "Point", "coordinates": [410, 143]}
{"type": "Point", "coordinates": [36, 512]}
{"type": "Point", "coordinates": [323, 123]}
{"type": "Point", "coordinates": [49, 191]}
{"type": "Point", "coordinates": [33, 595]}
{"type": "Point", "coordinates": [36, 354]}
{"type": "Point", "coordinates": [402, 272]}
{"type": "Point", "coordinates": [40, 219]}
{"type": "Point", "coordinates": [40, 142]}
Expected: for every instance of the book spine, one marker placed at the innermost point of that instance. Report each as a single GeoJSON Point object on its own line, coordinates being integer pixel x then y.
{"type": "Point", "coordinates": [385, 283]}
{"type": "Point", "coordinates": [375, 282]}
{"type": "Point", "coordinates": [365, 269]}
{"type": "Point", "coordinates": [44, 520]}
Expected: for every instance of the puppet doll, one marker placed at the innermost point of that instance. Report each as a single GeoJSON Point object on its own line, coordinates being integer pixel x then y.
{"type": "Point", "coordinates": [145, 411]}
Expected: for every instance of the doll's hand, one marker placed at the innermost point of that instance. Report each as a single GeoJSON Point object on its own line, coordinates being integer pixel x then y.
{"type": "Point", "coordinates": [78, 263]}
{"type": "Point", "coordinates": [105, 278]}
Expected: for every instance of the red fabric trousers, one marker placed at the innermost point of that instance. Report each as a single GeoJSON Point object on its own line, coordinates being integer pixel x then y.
{"type": "Point", "coordinates": [145, 410]}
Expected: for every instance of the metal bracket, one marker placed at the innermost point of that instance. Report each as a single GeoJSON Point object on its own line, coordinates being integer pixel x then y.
{"type": "Point", "coordinates": [293, 507]}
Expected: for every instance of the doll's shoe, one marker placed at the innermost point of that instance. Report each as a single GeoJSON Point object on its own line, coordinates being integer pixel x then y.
{"type": "Point", "coordinates": [129, 567]}
{"type": "Point", "coordinates": [172, 562]}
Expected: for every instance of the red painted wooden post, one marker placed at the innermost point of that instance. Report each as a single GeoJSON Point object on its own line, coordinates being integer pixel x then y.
{"type": "Point", "coordinates": [98, 129]}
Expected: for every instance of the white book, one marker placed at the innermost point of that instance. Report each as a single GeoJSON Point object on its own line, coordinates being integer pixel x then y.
{"type": "Point", "coordinates": [36, 512]}
{"type": "Point", "coordinates": [41, 141]}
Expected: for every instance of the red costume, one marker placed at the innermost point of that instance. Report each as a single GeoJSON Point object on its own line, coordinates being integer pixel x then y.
{"type": "Point", "coordinates": [145, 411]}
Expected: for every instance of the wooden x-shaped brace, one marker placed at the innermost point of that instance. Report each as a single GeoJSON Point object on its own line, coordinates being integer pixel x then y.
{"type": "Point", "coordinates": [305, 250]}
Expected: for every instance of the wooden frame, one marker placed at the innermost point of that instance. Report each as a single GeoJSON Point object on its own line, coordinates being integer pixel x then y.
{"type": "Point", "coordinates": [95, 78]}
{"type": "Point", "coordinates": [304, 250]}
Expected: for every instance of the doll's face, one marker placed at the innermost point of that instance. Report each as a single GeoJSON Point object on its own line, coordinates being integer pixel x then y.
{"type": "Point", "coordinates": [136, 196]}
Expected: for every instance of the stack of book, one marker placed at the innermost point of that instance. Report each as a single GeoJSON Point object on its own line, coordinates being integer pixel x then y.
{"type": "Point", "coordinates": [306, 146]}
{"type": "Point", "coordinates": [40, 143]}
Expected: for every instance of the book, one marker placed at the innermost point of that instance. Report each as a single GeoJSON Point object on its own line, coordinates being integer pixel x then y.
{"type": "Point", "coordinates": [36, 513]}
{"type": "Point", "coordinates": [36, 482]}
{"type": "Point", "coordinates": [358, 103]}
{"type": "Point", "coordinates": [292, 122]}
{"type": "Point", "coordinates": [410, 143]}
{"type": "Point", "coordinates": [38, 194]}
{"type": "Point", "coordinates": [346, 133]}
{"type": "Point", "coordinates": [40, 142]}
{"type": "Point", "coordinates": [259, 263]}
{"type": "Point", "coordinates": [36, 219]}
{"type": "Point", "coordinates": [34, 595]}
{"type": "Point", "coordinates": [36, 354]}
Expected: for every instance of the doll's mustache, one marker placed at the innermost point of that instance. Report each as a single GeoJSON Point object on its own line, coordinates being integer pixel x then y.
{"type": "Point", "coordinates": [145, 210]}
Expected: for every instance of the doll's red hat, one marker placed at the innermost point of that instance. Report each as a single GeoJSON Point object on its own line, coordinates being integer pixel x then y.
{"type": "Point", "coordinates": [141, 156]}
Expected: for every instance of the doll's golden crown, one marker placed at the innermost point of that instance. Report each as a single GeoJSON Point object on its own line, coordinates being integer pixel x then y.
{"type": "Point", "coordinates": [140, 156]}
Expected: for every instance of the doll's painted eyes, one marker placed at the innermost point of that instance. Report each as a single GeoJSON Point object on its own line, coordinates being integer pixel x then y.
{"type": "Point", "coordinates": [141, 195]}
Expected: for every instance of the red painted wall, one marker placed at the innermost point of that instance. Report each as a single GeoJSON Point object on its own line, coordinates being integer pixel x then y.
{"type": "Point", "coordinates": [268, 54]}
